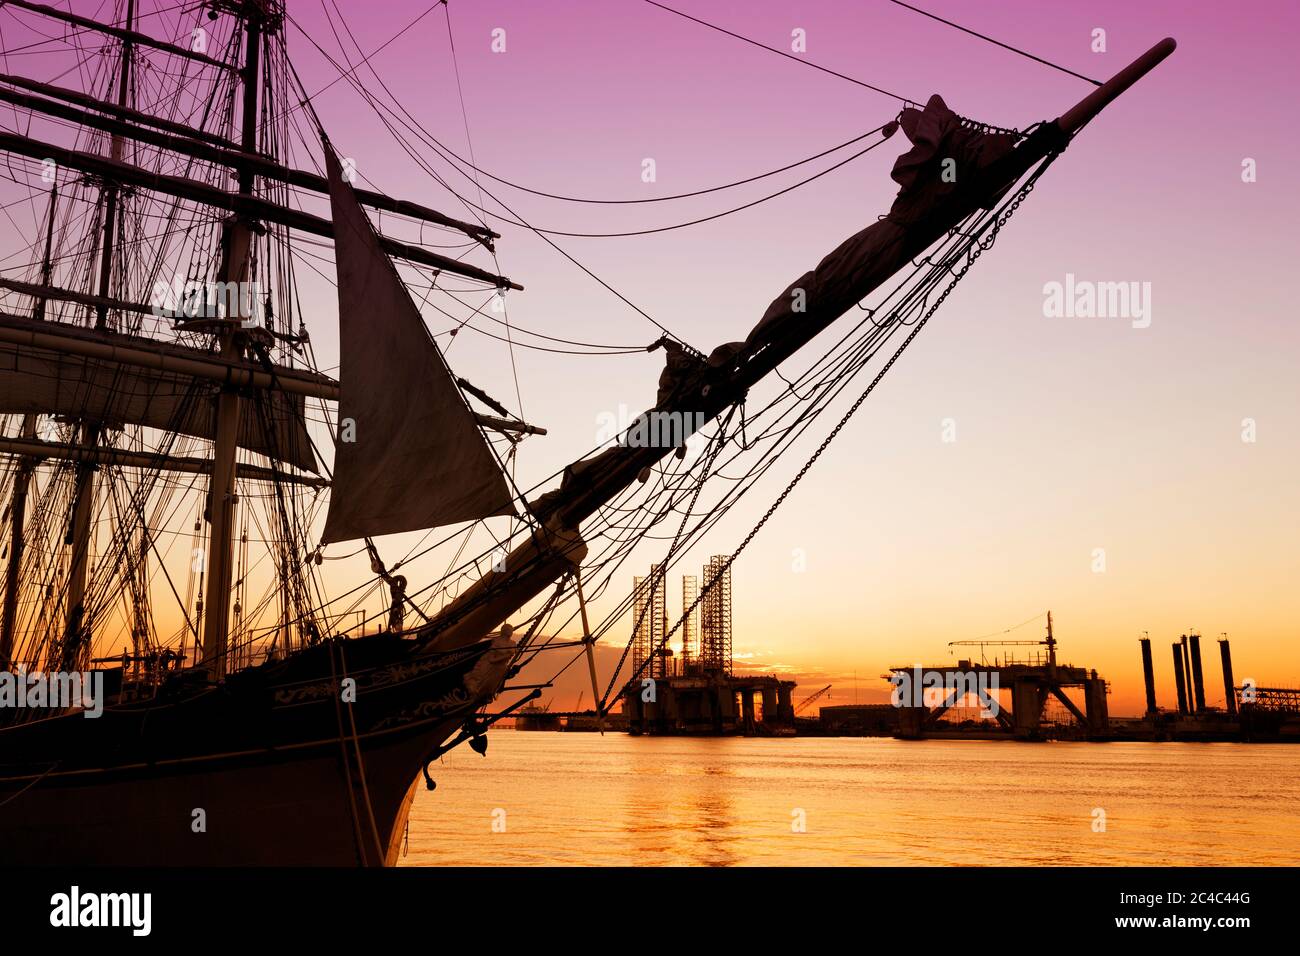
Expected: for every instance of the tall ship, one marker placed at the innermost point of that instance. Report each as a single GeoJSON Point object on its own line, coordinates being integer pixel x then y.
{"type": "Point", "coordinates": [179, 471]}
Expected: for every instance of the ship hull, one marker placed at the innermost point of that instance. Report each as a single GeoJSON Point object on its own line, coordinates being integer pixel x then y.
{"type": "Point", "coordinates": [281, 774]}
{"type": "Point", "coordinates": [302, 808]}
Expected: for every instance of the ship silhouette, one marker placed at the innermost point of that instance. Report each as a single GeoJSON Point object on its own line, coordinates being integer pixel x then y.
{"type": "Point", "coordinates": [260, 732]}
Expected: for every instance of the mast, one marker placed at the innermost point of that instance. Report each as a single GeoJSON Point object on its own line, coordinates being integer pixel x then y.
{"type": "Point", "coordinates": [47, 261]}
{"type": "Point", "coordinates": [23, 477]}
{"type": "Point", "coordinates": [84, 496]}
{"type": "Point", "coordinates": [17, 515]}
{"type": "Point", "coordinates": [112, 190]}
{"type": "Point", "coordinates": [102, 371]}
{"type": "Point", "coordinates": [222, 488]}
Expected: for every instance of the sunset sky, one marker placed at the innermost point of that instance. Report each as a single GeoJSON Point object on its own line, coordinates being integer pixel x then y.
{"type": "Point", "coordinates": [1072, 434]}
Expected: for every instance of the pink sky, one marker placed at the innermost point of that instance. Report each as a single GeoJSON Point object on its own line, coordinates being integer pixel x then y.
{"type": "Point", "coordinates": [1072, 434]}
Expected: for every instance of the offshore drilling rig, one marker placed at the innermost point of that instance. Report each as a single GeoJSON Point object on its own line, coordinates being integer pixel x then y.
{"type": "Point", "coordinates": [1032, 681]}
{"type": "Point", "coordinates": [694, 689]}
{"type": "Point", "coordinates": [1250, 712]}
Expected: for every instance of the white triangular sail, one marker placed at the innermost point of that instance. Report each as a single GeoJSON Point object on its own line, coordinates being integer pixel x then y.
{"type": "Point", "coordinates": [409, 454]}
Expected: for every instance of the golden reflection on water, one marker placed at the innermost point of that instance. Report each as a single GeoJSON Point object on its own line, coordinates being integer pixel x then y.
{"type": "Point", "coordinates": [583, 799]}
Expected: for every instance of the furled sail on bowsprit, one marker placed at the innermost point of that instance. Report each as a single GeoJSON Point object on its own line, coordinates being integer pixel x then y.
{"type": "Point", "coordinates": [938, 136]}
{"type": "Point", "coordinates": [409, 453]}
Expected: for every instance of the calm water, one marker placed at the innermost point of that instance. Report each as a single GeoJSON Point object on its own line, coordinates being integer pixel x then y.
{"type": "Point", "coordinates": [618, 800]}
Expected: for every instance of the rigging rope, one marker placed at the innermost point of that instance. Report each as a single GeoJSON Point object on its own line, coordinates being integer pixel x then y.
{"type": "Point", "coordinates": [1005, 46]}
{"type": "Point", "coordinates": [675, 196]}
{"type": "Point", "coordinates": [364, 62]}
{"type": "Point", "coordinates": [421, 133]}
{"type": "Point", "coordinates": [692, 222]}
{"type": "Point", "coordinates": [1014, 627]}
{"type": "Point", "coordinates": [469, 141]}
{"type": "Point", "coordinates": [788, 56]}
{"type": "Point", "coordinates": [835, 380]}
{"type": "Point", "coordinates": [978, 248]}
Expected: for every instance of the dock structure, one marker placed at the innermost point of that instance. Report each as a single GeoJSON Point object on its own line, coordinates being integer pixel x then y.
{"type": "Point", "coordinates": [711, 704]}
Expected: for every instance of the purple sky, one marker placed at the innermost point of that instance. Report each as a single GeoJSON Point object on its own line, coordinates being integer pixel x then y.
{"type": "Point", "coordinates": [1073, 434]}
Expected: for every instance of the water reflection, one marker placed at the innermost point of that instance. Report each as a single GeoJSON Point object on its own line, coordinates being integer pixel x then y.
{"type": "Point", "coordinates": [580, 799]}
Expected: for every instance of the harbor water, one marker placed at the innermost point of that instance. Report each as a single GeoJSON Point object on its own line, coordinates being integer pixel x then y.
{"type": "Point", "coordinates": [583, 799]}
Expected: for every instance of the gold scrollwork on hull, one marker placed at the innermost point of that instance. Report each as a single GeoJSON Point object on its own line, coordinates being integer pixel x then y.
{"type": "Point", "coordinates": [453, 700]}
{"type": "Point", "coordinates": [373, 679]}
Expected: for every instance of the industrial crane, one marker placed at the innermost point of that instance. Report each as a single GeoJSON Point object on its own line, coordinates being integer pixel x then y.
{"type": "Point", "coordinates": [1049, 642]}
{"type": "Point", "coordinates": [807, 701]}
